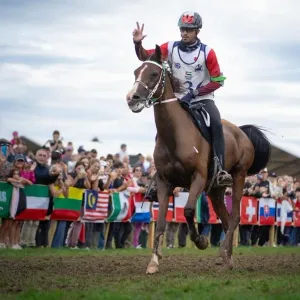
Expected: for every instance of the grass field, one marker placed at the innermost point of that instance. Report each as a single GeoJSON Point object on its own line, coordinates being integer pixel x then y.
{"type": "Point", "coordinates": [259, 273]}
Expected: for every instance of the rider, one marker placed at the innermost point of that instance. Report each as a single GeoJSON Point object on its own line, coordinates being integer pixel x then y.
{"type": "Point", "coordinates": [196, 66]}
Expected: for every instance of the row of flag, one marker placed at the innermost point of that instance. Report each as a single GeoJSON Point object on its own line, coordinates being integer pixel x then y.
{"type": "Point", "coordinates": [34, 203]}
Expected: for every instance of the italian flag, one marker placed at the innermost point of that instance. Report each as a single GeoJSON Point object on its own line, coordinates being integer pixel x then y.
{"type": "Point", "coordinates": [37, 203]}
{"type": "Point", "coordinates": [121, 208]}
{"type": "Point", "coordinates": [68, 209]}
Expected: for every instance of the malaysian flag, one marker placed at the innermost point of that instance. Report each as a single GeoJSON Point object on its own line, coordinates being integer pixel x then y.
{"type": "Point", "coordinates": [95, 206]}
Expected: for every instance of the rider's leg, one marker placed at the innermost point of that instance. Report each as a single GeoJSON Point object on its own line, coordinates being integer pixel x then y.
{"type": "Point", "coordinates": [218, 139]}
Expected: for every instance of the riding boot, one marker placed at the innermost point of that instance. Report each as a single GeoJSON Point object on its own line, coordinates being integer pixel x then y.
{"type": "Point", "coordinates": [223, 177]}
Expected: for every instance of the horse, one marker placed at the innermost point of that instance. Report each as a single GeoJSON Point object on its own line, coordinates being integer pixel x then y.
{"type": "Point", "coordinates": [183, 157]}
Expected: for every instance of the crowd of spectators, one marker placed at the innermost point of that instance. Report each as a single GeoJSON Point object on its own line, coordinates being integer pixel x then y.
{"type": "Point", "coordinates": [60, 166]}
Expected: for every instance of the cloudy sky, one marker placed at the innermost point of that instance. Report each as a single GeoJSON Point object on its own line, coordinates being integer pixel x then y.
{"type": "Point", "coordinates": [68, 65]}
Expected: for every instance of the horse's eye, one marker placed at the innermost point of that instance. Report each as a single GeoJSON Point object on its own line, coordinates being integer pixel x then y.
{"type": "Point", "coordinates": [154, 74]}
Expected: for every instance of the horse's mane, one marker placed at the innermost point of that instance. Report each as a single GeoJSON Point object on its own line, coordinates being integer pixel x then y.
{"type": "Point", "coordinates": [175, 82]}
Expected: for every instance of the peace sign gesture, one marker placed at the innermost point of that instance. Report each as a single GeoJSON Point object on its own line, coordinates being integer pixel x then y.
{"type": "Point", "coordinates": [138, 33]}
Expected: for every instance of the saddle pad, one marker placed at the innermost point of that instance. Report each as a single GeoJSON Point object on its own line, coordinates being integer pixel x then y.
{"type": "Point", "coordinates": [198, 120]}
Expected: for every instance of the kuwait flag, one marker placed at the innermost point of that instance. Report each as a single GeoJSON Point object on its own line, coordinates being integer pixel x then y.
{"type": "Point", "coordinates": [120, 208]}
{"type": "Point", "coordinates": [179, 203]}
{"type": "Point", "coordinates": [248, 211]}
{"type": "Point", "coordinates": [95, 206]}
{"type": "Point", "coordinates": [5, 199]}
{"type": "Point", "coordinates": [170, 212]}
{"type": "Point", "coordinates": [142, 209]}
{"type": "Point", "coordinates": [266, 211]}
{"type": "Point", "coordinates": [37, 203]}
{"type": "Point", "coordinates": [68, 209]}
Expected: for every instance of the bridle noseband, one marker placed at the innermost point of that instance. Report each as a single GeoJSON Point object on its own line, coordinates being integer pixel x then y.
{"type": "Point", "coordinates": [149, 101]}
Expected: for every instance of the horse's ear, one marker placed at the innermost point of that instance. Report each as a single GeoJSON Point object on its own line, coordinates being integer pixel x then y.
{"type": "Point", "coordinates": [158, 53]}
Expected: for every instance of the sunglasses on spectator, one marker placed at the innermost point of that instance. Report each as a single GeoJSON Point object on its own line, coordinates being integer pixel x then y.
{"type": "Point", "coordinates": [138, 170]}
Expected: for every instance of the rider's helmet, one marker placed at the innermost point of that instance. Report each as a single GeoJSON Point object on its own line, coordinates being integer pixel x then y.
{"type": "Point", "coordinates": [190, 19]}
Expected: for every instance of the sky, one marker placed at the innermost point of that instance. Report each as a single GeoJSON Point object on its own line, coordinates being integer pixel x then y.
{"type": "Point", "coordinates": [68, 65]}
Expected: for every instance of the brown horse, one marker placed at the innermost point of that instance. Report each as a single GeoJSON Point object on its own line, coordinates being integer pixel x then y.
{"type": "Point", "coordinates": [183, 156]}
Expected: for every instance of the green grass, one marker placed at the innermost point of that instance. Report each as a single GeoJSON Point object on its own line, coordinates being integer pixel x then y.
{"type": "Point", "coordinates": [240, 283]}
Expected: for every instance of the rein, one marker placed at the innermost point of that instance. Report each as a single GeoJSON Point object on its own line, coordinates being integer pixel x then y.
{"type": "Point", "coordinates": [149, 101]}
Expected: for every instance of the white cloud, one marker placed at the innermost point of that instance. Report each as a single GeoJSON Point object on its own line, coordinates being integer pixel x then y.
{"type": "Point", "coordinates": [70, 66]}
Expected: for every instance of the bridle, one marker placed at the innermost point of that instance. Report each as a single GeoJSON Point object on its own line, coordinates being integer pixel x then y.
{"type": "Point", "coordinates": [149, 101]}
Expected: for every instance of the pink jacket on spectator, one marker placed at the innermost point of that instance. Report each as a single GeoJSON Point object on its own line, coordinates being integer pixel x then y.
{"type": "Point", "coordinates": [28, 175]}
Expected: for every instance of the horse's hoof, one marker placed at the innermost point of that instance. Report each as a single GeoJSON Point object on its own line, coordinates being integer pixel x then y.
{"type": "Point", "coordinates": [152, 267]}
{"type": "Point", "coordinates": [201, 242]}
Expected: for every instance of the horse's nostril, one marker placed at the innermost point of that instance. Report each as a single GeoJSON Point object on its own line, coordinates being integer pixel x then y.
{"type": "Point", "coordinates": [136, 97]}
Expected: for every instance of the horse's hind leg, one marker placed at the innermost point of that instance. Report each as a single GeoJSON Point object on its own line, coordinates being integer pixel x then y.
{"type": "Point", "coordinates": [217, 198]}
{"type": "Point", "coordinates": [163, 199]}
{"type": "Point", "coordinates": [237, 193]}
{"type": "Point", "coordinates": [196, 189]}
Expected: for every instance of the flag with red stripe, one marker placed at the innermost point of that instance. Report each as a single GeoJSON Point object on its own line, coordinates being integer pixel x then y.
{"type": "Point", "coordinates": [95, 206]}
{"type": "Point", "coordinates": [170, 212]}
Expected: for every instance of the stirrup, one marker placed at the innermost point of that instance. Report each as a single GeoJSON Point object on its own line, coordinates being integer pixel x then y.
{"type": "Point", "coordinates": [224, 178]}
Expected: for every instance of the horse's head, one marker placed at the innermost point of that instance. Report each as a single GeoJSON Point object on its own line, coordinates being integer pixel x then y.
{"type": "Point", "coordinates": [149, 82]}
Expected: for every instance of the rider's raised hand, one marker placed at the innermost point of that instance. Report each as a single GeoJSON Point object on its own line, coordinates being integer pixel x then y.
{"type": "Point", "coordinates": [138, 33]}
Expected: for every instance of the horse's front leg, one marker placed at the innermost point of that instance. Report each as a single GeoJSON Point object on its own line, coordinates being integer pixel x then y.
{"type": "Point", "coordinates": [196, 189]}
{"type": "Point", "coordinates": [163, 199]}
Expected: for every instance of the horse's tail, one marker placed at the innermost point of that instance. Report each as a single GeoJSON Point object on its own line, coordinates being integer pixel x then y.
{"type": "Point", "coordinates": [262, 147]}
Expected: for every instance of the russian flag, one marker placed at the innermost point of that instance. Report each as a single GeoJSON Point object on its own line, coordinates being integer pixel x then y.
{"type": "Point", "coordinates": [170, 213]}
{"type": "Point", "coordinates": [288, 210]}
{"type": "Point", "coordinates": [142, 209]}
{"type": "Point", "coordinates": [267, 211]}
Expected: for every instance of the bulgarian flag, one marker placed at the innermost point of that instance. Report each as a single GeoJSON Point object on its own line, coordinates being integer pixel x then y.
{"type": "Point", "coordinates": [120, 208]}
{"type": "Point", "coordinates": [68, 209]}
{"type": "Point", "coordinates": [198, 210]}
{"type": "Point", "coordinates": [6, 190]}
{"type": "Point", "coordinates": [37, 202]}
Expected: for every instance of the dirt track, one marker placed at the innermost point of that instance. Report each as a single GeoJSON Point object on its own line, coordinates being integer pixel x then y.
{"type": "Point", "coordinates": [46, 273]}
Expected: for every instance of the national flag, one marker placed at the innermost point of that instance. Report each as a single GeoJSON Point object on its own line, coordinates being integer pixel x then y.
{"type": "Point", "coordinates": [120, 208]}
{"type": "Point", "coordinates": [5, 199]}
{"type": "Point", "coordinates": [142, 209]}
{"type": "Point", "coordinates": [248, 211]}
{"type": "Point", "coordinates": [179, 204]}
{"type": "Point", "coordinates": [95, 206]}
{"type": "Point", "coordinates": [284, 214]}
{"type": "Point", "coordinates": [267, 211]}
{"type": "Point", "coordinates": [170, 212]}
{"type": "Point", "coordinates": [198, 209]}
{"type": "Point", "coordinates": [297, 218]}
{"type": "Point", "coordinates": [37, 203]}
{"type": "Point", "coordinates": [68, 209]}
{"type": "Point", "coordinates": [213, 219]}
{"type": "Point", "coordinates": [18, 202]}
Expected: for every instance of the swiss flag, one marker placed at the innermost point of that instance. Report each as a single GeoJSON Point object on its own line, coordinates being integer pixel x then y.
{"type": "Point", "coordinates": [248, 211]}
{"type": "Point", "coordinates": [179, 204]}
{"type": "Point", "coordinates": [213, 219]}
{"type": "Point", "coordinates": [170, 213]}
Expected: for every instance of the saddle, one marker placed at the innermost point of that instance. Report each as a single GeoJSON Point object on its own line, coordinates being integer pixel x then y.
{"type": "Point", "coordinates": [200, 117]}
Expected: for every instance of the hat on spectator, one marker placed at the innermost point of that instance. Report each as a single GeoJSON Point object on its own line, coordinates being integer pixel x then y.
{"type": "Point", "coordinates": [15, 133]}
{"type": "Point", "coordinates": [94, 151]}
{"type": "Point", "coordinates": [81, 149]}
{"type": "Point", "coordinates": [19, 157]}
